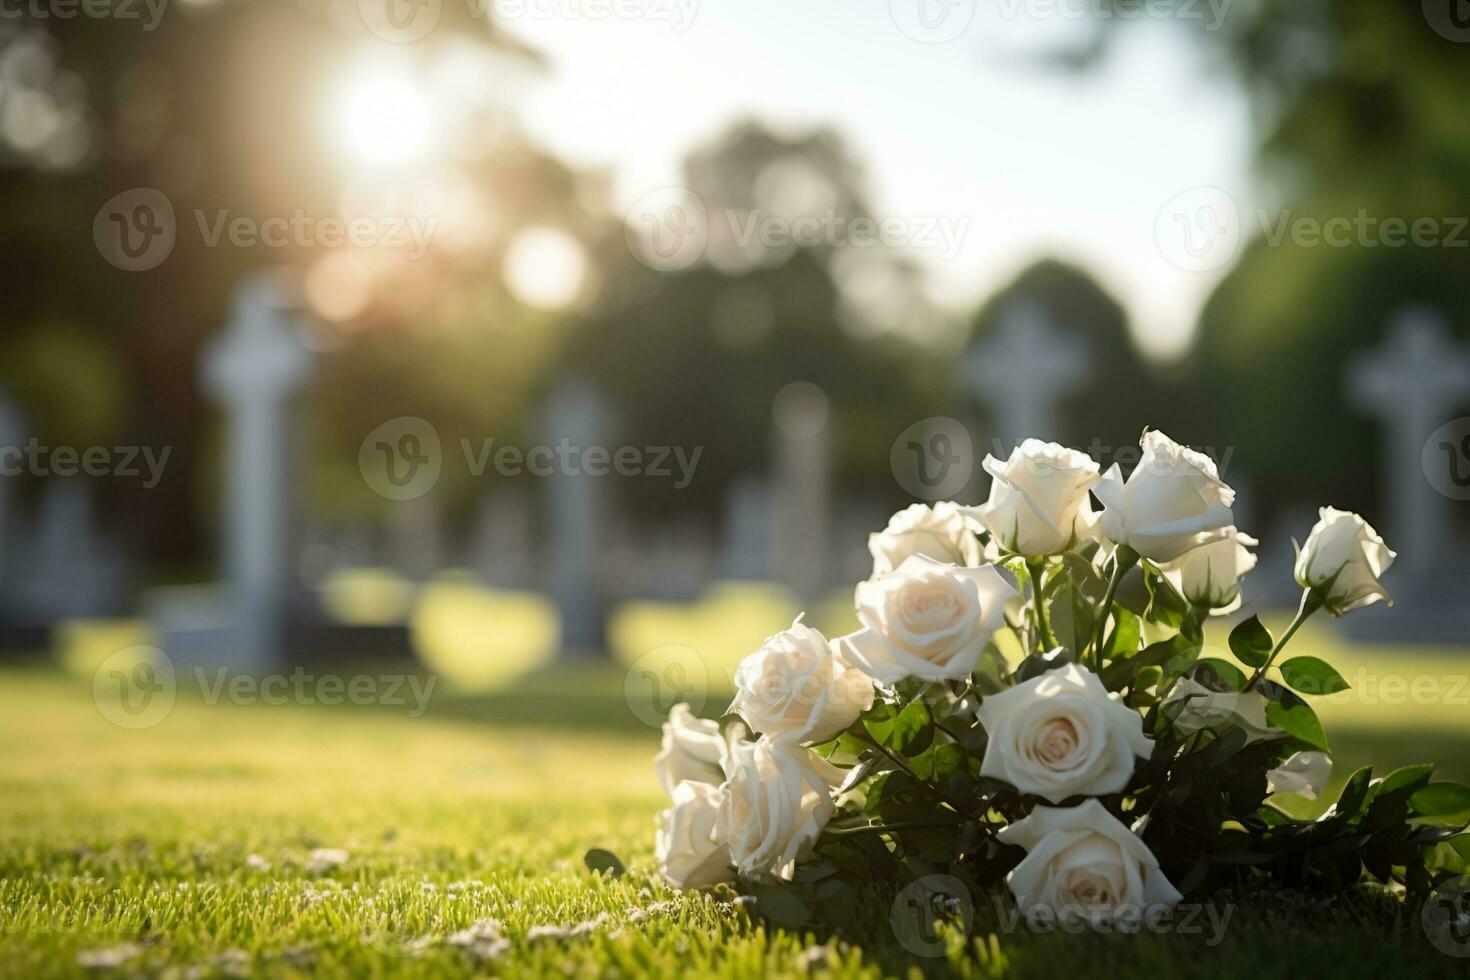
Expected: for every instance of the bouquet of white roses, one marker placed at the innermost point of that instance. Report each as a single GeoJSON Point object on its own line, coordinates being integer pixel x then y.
{"type": "Point", "coordinates": [1105, 767]}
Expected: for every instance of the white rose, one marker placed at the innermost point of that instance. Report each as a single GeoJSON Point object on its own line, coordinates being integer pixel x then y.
{"type": "Point", "coordinates": [1209, 575]}
{"type": "Point", "coordinates": [1038, 501]}
{"type": "Point", "coordinates": [926, 620]}
{"type": "Point", "coordinates": [1195, 707]}
{"type": "Point", "coordinates": [1343, 559]}
{"type": "Point", "coordinates": [943, 532]}
{"type": "Point", "coordinates": [794, 686]}
{"type": "Point", "coordinates": [1173, 501]}
{"type": "Point", "coordinates": [777, 800]}
{"type": "Point", "coordinates": [692, 749]}
{"type": "Point", "coordinates": [1084, 864]}
{"type": "Point", "coordinates": [691, 844]}
{"type": "Point", "coordinates": [1062, 734]}
{"type": "Point", "coordinates": [1305, 774]}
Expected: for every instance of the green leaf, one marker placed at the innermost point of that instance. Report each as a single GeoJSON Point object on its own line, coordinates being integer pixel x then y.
{"type": "Point", "coordinates": [1354, 792]}
{"type": "Point", "coordinates": [1441, 800]}
{"type": "Point", "coordinates": [1410, 778]}
{"type": "Point", "coordinates": [1227, 672]}
{"type": "Point", "coordinates": [1452, 855]}
{"type": "Point", "coordinates": [913, 729]}
{"type": "Point", "coordinates": [599, 860]}
{"type": "Point", "coordinates": [1299, 721]}
{"type": "Point", "coordinates": [1251, 642]}
{"type": "Point", "coordinates": [1123, 641]}
{"type": "Point", "coordinates": [1310, 675]}
{"type": "Point", "coordinates": [780, 905]}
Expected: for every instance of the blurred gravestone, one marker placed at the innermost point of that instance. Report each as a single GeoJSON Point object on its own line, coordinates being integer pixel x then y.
{"type": "Point", "coordinates": [574, 417]}
{"type": "Point", "coordinates": [502, 538]}
{"type": "Point", "coordinates": [1023, 371]}
{"type": "Point", "coordinates": [1413, 382]}
{"type": "Point", "coordinates": [745, 549]}
{"type": "Point", "coordinates": [72, 571]}
{"type": "Point", "coordinates": [413, 537]}
{"type": "Point", "coordinates": [252, 371]}
{"type": "Point", "coordinates": [12, 432]}
{"type": "Point", "coordinates": [802, 436]}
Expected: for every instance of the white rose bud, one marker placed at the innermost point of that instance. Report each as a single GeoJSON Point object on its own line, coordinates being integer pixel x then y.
{"type": "Point", "coordinates": [795, 687]}
{"type": "Point", "coordinates": [691, 844]}
{"type": "Point", "coordinates": [692, 749]}
{"type": "Point", "coordinates": [926, 620]}
{"type": "Point", "coordinates": [943, 532]}
{"type": "Point", "coordinates": [1305, 774]}
{"type": "Point", "coordinates": [1038, 499]}
{"type": "Point", "coordinates": [1062, 734]}
{"type": "Point", "coordinates": [1210, 574]}
{"type": "Point", "coordinates": [1343, 560]}
{"type": "Point", "coordinates": [1195, 707]}
{"type": "Point", "coordinates": [1173, 501]}
{"type": "Point", "coordinates": [1084, 865]}
{"type": "Point", "coordinates": [777, 800]}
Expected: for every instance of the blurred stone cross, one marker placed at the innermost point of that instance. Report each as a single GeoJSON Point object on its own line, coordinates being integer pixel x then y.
{"type": "Point", "coordinates": [1412, 382]}
{"type": "Point", "coordinates": [1023, 370]}
{"type": "Point", "coordinates": [252, 370]}
{"type": "Point", "coordinates": [802, 453]}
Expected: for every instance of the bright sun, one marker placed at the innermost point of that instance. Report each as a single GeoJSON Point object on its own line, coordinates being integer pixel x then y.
{"type": "Point", "coordinates": [386, 121]}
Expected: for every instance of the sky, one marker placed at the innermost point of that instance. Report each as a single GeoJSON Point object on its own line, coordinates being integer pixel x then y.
{"type": "Point", "coordinates": [1029, 163]}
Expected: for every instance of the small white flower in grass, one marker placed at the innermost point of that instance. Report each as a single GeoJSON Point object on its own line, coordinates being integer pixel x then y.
{"type": "Point", "coordinates": [257, 863]}
{"type": "Point", "coordinates": [778, 799]}
{"type": "Point", "coordinates": [110, 958]}
{"type": "Point", "coordinates": [1304, 774]}
{"type": "Point", "coordinates": [944, 532]}
{"type": "Point", "coordinates": [1038, 501]}
{"type": "Point", "coordinates": [692, 749]}
{"type": "Point", "coordinates": [1174, 500]}
{"type": "Point", "coordinates": [1062, 734]}
{"type": "Point", "coordinates": [1343, 559]}
{"type": "Point", "coordinates": [1209, 575]}
{"type": "Point", "coordinates": [324, 859]}
{"type": "Point", "coordinates": [926, 620]}
{"type": "Point", "coordinates": [1084, 865]}
{"type": "Point", "coordinates": [483, 940]}
{"type": "Point", "coordinates": [795, 687]}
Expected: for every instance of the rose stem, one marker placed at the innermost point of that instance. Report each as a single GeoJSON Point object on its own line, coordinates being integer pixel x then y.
{"type": "Point", "coordinates": [1124, 559]}
{"type": "Point", "coordinates": [1036, 567]}
{"type": "Point", "coordinates": [1311, 602]}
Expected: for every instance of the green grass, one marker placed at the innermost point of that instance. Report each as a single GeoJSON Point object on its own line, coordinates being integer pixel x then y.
{"type": "Point", "coordinates": [191, 843]}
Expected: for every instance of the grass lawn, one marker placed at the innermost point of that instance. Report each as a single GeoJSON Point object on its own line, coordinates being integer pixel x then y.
{"type": "Point", "coordinates": [196, 847]}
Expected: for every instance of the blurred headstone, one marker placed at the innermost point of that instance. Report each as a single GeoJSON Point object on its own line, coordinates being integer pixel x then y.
{"type": "Point", "coordinates": [1412, 383]}
{"type": "Point", "coordinates": [12, 432]}
{"type": "Point", "coordinates": [1023, 371]}
{"type": "Point", "coordinates": [72, 571]}
{"type": "Point", "coordinates": [253, 370]}
{"type": "Point", "coordinates": [574, 416]}
{"type": "Point", "coordinates": [413, 537]}
{"type": "Point", "coordinates": [745, 547]}
{"type": "Point", "coordinates": [503, 538]}
{"type": "Point", "coordinates": [802, 437]}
